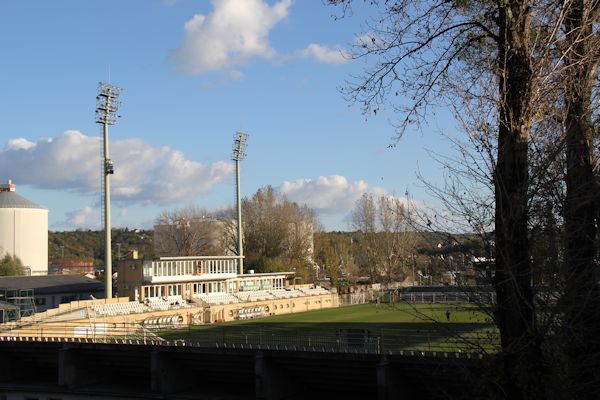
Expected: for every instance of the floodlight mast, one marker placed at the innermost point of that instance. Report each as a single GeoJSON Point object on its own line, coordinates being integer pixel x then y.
{"type": "Point", "coordinates": [239, 153]}
{"type": "Point", "coordinates": [107, 105]}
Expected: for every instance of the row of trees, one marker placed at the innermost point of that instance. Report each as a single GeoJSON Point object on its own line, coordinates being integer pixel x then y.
{"type": "Point", "coordinates": [521, 77]}
{"type": "Point", "coordinates": [279, 236]}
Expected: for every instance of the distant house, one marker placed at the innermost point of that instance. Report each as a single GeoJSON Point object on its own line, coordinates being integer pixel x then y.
{"type": "Point", "coordinates": [48, 291]}
{"type": "Point", "coordinates": [66, 266]}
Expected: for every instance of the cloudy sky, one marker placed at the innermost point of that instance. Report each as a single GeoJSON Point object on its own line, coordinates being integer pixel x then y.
{"type": "Point", "coordinates": [193, 72]}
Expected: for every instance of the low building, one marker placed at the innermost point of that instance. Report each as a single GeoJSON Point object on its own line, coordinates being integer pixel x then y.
{"type": "Point", "coordinates": [44, 292]}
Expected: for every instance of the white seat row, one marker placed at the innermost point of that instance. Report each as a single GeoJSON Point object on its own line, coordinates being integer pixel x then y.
{"type": "Point", "coordinates": [287, 294]}
{"type": "Point", "coordinates": [218, 298]}
{"type": "Point", "coordinates": [315, 291]}
{"type": "Point", "coordinates": [257, 295]}
{"type": "Point", "coordinates": [166, 303]}
{"type": "Point", "coordinates": [119, 308]}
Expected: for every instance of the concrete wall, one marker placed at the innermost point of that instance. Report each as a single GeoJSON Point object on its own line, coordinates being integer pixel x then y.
{"type": "Point", "coordinates": [24, 233]}
{"type": "Point", "coordinates": [147, 370]}
{"type": "Point", "coordinates": [228, 312]}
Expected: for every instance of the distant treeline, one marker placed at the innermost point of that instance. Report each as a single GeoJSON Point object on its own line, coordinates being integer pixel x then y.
{"type": "Point", "coordinates": [90, 244]}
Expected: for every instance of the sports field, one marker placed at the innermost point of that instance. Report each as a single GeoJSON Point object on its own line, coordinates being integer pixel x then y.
{"type": "Point", "coordinates": [434, 327]}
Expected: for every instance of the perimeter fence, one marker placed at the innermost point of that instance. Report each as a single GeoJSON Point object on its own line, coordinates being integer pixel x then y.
{"type": "Point", "coordinates": [362, 338]}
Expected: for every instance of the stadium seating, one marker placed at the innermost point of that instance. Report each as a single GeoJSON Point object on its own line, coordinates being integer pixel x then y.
{"type": "Point", "coordinates": [252, 296]}
{"type": "Point", "coordinates": [315, 291]}
{"type": "Point", "coordinates": [119, 308]}
{"type": "Point", "coordinates": [287, 293]}
{"type": "Point", "coordinates": [218, 298]}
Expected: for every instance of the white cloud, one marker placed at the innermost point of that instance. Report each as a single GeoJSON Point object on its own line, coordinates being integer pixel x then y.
{"type": "Point", "coordinates": [234, 32]}
{"type": "Point", "coordinates": [86, 217]}
{"type": "Point", "coordinates": [236, 75]}
{"type": "Point", "coordinates": [322, 54]}
{"type": "Point", "coordinates": [332, 194]}
{"type": "Point", "coordinates": [19, 144]}
{"type": "Point", "coordinates": [143, 174]}
{"type": "Point", "coordinates": [237, 31]}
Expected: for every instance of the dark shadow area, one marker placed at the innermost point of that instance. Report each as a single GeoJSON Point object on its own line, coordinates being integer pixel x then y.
{"type": "Point", "coordinates": [373, 337]}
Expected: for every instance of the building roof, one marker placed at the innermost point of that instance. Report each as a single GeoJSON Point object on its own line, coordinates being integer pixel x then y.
{"type": "Point", "coordinates": [13, 200]}
{"type": "Point", "coordinates": [47, 284]}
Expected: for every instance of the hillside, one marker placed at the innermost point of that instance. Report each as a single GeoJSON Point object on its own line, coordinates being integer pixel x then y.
{"type": "Point", "coordinates": [90, 244]}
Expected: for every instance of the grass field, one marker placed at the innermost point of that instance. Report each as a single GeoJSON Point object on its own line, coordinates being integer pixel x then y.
{"type": "Point", "coordinates": [436, 327]}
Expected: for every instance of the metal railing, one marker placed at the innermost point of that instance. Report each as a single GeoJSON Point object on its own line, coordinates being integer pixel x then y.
{"type": "Point", "coordinates": [426, 297]}
{"type": "Point", "coordinates": [351, 299]}
{"type": "Point", "coordinates": [446, 298]}
{"type": "Point", "coordinates": [363, 339]}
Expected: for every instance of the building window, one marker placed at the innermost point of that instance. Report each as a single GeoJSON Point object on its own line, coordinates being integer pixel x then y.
{"type": "Point", "coordinates": [40, 301]}
{"type": "Point", "coordinates": [67, 299]}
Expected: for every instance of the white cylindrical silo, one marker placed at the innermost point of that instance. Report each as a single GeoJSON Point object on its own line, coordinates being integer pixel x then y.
{"type": "Point", "coordinates": [23, 230]}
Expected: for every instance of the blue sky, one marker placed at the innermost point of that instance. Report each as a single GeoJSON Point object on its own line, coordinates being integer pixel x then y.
{"type": "Point", "coordinates": [193, 72]}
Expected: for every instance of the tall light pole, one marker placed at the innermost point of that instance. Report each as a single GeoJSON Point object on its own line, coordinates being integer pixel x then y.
{"type": "Point", "coordinates": [239, 152]}
{"type": "Point", "coordinates": [107, 105]}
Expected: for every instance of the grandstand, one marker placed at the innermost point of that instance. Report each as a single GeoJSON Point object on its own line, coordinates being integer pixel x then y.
{"type": "Point", "coordinates": [173, 292]}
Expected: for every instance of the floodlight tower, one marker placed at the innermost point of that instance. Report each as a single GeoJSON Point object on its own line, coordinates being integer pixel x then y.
{"type": "Point", "coordinates": [239, 152]}
{"type": "Point", "coordinates": [107, 104]}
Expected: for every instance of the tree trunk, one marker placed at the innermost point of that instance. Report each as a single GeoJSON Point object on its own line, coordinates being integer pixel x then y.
{"type": "Point", "coordinates": [514, 312]}
{"type": "Point", "coordinates": [581, 208]}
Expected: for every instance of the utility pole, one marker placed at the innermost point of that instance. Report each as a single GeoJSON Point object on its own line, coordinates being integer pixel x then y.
{"type": "Point", "coordinates": [239, 152]}
{"type": "Point", "coordinates": [107, 104]}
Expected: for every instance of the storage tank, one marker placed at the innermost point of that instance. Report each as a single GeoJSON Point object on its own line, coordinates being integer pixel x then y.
{"type": "Point", "coordinates": [23, 230]}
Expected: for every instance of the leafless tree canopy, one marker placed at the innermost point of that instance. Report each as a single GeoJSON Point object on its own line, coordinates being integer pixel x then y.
{"type": "Point", "coordinates": [384, 242]}
{"type": "Point", "coordinates": [521, 78]}
{"type": "Point", "coordinates": [189, 231]}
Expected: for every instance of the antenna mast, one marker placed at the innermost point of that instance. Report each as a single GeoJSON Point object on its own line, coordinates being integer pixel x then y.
{"type": "Point", "coordinates": [239, 153]}
{"type": "Point", "coordinates": [107, 105]}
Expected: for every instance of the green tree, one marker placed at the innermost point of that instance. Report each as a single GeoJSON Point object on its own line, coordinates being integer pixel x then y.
{"type": "Point", "coordinates": [333, 253]}
{"type": "Point", "coordinates": [278, 233]}
{"type": "Point", "coordinates": [11, 266]}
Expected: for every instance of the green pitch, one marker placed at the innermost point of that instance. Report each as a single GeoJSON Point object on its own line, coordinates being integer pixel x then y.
{"type": "Point", "coordinates": [435, 327]}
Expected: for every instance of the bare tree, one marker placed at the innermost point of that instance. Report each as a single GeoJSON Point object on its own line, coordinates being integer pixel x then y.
{"type": "Point", "coordinates": [582, 55]}
{"type": "Point", "coordinates": [188, 231]}
{"type": "Point", "coordinates": [437, 53]}
{"type": "Point", "coordinates": [383, 240]}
